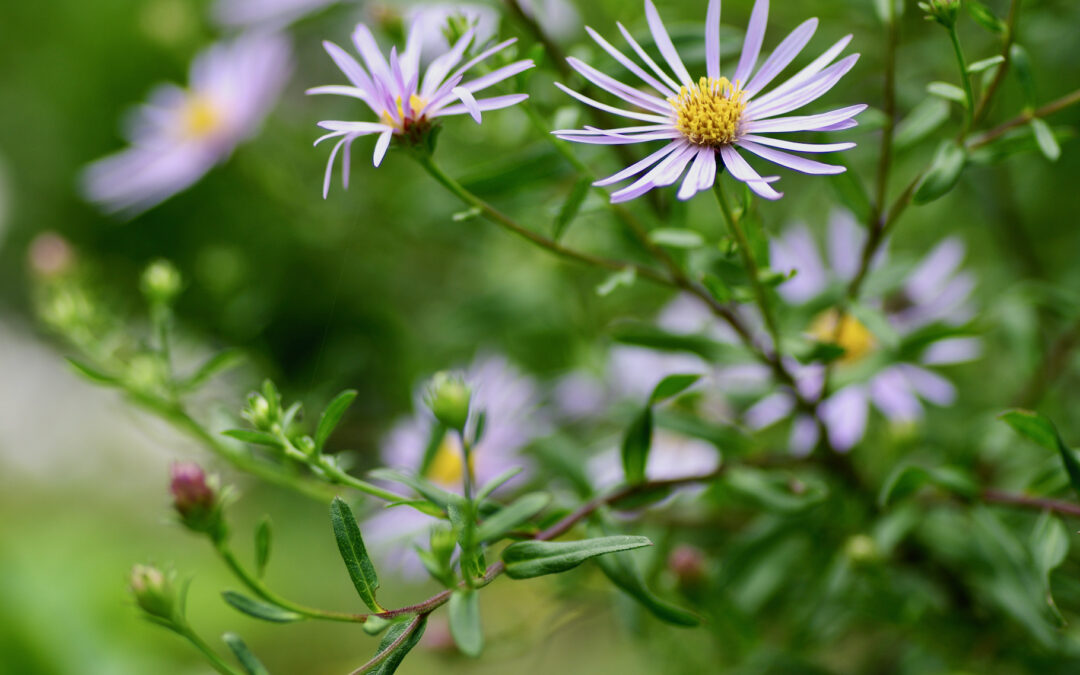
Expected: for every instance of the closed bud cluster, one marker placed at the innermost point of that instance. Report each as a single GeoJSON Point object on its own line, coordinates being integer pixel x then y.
{"type": "Point", "coordinates": [449, 397]}
{"type": "Point", "coordinates": [161, 282]}
{"type": "Point", "coordinates": [196, 501]}
{"type": "Point", "coordinates": [154, 591]}
{"type": "Point", "coordinates": [944, 12]}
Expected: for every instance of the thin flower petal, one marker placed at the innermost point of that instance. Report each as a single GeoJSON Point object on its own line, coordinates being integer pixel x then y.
{"type": "Point", "coordinates": [664, 173]}
{"type": "Point", "coordinates": [845, 243]}
{"type": "Point", "coordinates": [692, 183]}
{"type": "Point", "coordinates": [330, 167]}
{"type": "Point", "coordinates": [892, 394]}
{"type": "Point", "coordinates": [784, 54]}
{"type": "Point", "coordinates": [755, 35]}
{"type": "Point", "coordinates": [381, 146]}
{"type": "Point", "coordinates": [742, 171]}
{"type": "Point", "coordinates": [638, 167]}
{"type": "Point", "coordinates": [486, 104]}
{"type": "Point", "coordinates": [815, 67]}
{"type": "Point", "coordinates": [623, 91]}
{"type": "Point", "coordinates": [930, 385]}
{"type": "Point", "coordinates": [629, 65]}
{"type": "Point", "coordinates": [804, 122]}
{"type": "Point", "coordinates": [804, 435]}
{"type": "Point", "coordinates": [814, 89]}
{"type": "Point", "coordinates": [646, 58]}
{"type": "Point", "coordinates": [952, 350]}
{"type": "Point", "coordinates": [769, 410]}
{"type": "Point", "coordinates": [712, 40]}
{"type": "Point", "coordinates": [663, 43]}
{"type": "Point", "coordinates": [798, 147]}
{"type": "Point", "coordinates": [611, 109]}
{"type": "Point", "coordinates": [796, 249]}
{"type": "Point", "coordinates": [440, 67]}
{"type": "Point", "coordinates": [794, 162]}
{"type": "Point", "coordinates": [469, 102]}
{"type": "Point", "coordinates": [844, 414]}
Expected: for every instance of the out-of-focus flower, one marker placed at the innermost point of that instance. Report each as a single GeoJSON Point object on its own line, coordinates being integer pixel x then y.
{"type": "Point", "coordinates": [180, 134]}
{"type": "Point", "coordinates": [263, 13]}
{"type": "Point", "coordinates": [404, 99]}
{"type": "Point", "coordinates": [935, 291]}
{"type": "Point", "coordinates": [706, 119]}
{"type": "Point", "coordinates": [50, 256]}
{"type": "Point", "coordinates": [509, 402]}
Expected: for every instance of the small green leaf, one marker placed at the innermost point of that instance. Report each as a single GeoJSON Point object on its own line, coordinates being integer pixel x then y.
{"type": "Point", "coordinates": [353, 552]}
{"type": "Point", "coordinates": [250, 664]}
{"type": "Point", "coordinates": [1041, 430]}
{"type": "Point", "coordinates": [465, 621]}
{"type": "Point", "coordinates": [259, 609]}
{"type": "Point", "coordinates": [905, 480]}
{"type": "Point", "coordinates": [332, 416]}
{"type": "Point", "coordinates": [635, 446]}
{"type": "Point", "coordinates": [528, 559]}
{"type": "Point", "coordinates": [497, 482]}
{"type": "Point", "coordinates": [985, 17]}
{"type": "Point", "coordinates": [217, 364]}
{"type": "Point", "coordinates": [676, 237]}
{"type": "Point", "coordinates": [626, 576]}
{"type": "Point", "coordinates": [881, 7]}
{"type": "Point", "coordinates": [521, 511]}
{"type": "Point", "coordinates": [571, 207]}
{"type": "Point", "coordinates": [923, 120]}
{"type": "Point", "coordinates": [254, 437]}
{"type": "Point", "coordinates": [93, 374]}
{"type": "Point", "coordinates": [647, 335]}
{"type": "Point", "coordinates": [467, 214]}
{"type": "Point", "coordinates": [392, 662]}
{"type": "Point", "coordinates": [431, 492]}
{"type": "Point", "coordinates": [980, 66]}
{"type": "Point", "coordinates": [775, 493]}
{"type": "Point", "coordinates": [943, 174]}
{"type": "Point", "coordinates": [1021, 67]}
{"type": "Point", "coordinates": [263, 537]}
{"type": "Point", "coordinates": [949, 92]}
{"type": "Point", "coordinates": [717, 288]}
{"type": "Point", "coordinates": [1048, 145]}
{"type": "Point", "coordinates": [1049, 546]}
{"type": "Point", "coordinates": [671, 386]}
{"type": "Point", "coordinates": [625, 277]}
{"type": "Point", "coordinates": [374, 625]}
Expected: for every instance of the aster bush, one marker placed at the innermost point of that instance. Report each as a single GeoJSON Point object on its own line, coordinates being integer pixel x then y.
{"type": "Point", "coordinates": [767, 438]}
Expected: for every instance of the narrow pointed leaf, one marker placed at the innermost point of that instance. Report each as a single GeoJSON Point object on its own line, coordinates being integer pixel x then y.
{"type": "Point", "coordinates": [332, 416]}
{"type": "Point", "coordinates": [675, 237]}
{"type": "Point", "coordinates": [253, 437]}
{"type": "Point", "coordinates": [392, 662]}
{"type": "Point", "coordinates": [259, 609]}
{"type": "Point", "coordinates": [1048, 144]}
{"type": "Point", "coordinates": [923, 120]}
{"type": "Point", "coordinates": [1040, 429]}
{"type": "Point", "coordinates": [351, 545]}
{"type": "Point", "coordinates": [521, 511]}
{"type": "Point", "coordinates": [571, 207]}
{"type": "Point", "coordinates": [943, 174]}
{"type": "Point", "coordinates": [250, 664]}
{"type": "Point", "coordinates": [263, 538]}
{"type": "Point", "coordinates": [217, 364]}
{"type": "Point", "coordinates": [528, 559]}
{"type": "Point", "coordinates": [672, 386]}
{"type": "Point", "coordinates": [497, 482]}
{"type": "Point", "coordinates": [93, 374]}
{"type": "Point", "coordinates": [465, 621]}
{"type": "Point", "coordinates": [635, 447]}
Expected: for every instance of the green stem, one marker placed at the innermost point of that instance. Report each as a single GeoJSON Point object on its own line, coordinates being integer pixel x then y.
{"type": "Point", "coordinates": [216, 661]}
{"type": "Point", "coordinates": [965, 79]}
{"type": "Point", "coordinates": [748, 261]}
{"type": "Point", "coordinates": [338, 476]}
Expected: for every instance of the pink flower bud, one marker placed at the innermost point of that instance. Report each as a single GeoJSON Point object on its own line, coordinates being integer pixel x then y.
{"type": "Point", "coordinates": [688, 564]}
{"type": "Point", "coordinates": [190, 492]}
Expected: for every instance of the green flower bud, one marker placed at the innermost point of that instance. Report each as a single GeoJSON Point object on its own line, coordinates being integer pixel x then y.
{"type": "Point", "coordinates": [259, 412]}
{"type": "Point", "coordinates": [861, 549]}
{"type": "Point", "coordinates": [944, 12]}
{"type": "Point", "coordinates": [154, 591]}
{"type": "Point", "coordinates": [448, 397]}
{"type": "Point", "coordinates": [161, 282]}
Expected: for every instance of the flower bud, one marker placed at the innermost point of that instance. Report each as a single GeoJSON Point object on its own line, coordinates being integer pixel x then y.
{"type": "Point", "coordinates": [448, 397]}
{"type": "Point", "coordinates": [861, 549]}
{"type": "Point", "coordinates": [50, 256]}
{"type": "Point", "coordinates": [195, 501]}
{"type": "Point", "coordinates": [688, 564]}
{"type": "Point", "coordinates": [161, 282]}
{"type": "Point", "coordinates": [153, 591]}
{"type": "Point", "coordinates": [259, 412]}
{"type": "Point", "coordinates": [944, 12]}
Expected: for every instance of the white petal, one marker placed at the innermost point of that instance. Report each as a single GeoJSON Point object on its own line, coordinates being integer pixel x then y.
{"type": "Point", "coordinates": [755, 35]}
{"type": "Point", "coordinates": [663, 43]}
{"type": "Point", "coordinates": [469, 102]}
{"type": "Point", "coordinates": [742, 171]}
{"type": "Point", "coordinates": [381, 146]}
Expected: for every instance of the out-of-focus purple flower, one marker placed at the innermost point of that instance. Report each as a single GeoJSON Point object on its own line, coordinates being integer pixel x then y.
{"type": "Point", "coordinates": [180, 134]}
{"type": "Point", "coordinates": [704, 120]}
{"type": "Point", "coordinates": [404, 99]}
{"type": "Point", "coordinates": [264, 13]}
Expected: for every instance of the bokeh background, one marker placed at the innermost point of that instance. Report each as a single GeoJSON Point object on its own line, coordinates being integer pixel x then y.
{"type": "Point", "coordinates": [376, 287]}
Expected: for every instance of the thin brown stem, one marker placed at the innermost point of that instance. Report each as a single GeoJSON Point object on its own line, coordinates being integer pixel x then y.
{"type": "Point", "coordinates": [1023, 118]}
{"type": "Point", "coordinates": [1025, 502]}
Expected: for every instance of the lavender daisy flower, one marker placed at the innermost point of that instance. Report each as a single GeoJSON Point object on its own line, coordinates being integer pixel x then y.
{"type": "Point", "coordinates": [180, 134]}
{"type": "Point", "coordinates": [510, 402]}
{"type": "Point", "coordinates": [243, 13]}
{"type": "Point", "coordinates": [404, 100]}
{"type": "Point", "coordinates": [700, 119]}
{"type": "Point", "coordinates": [935, 291]}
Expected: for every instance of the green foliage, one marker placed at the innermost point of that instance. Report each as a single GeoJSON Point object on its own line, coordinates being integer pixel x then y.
{"type": "Point", "coordinates": [528, 559]}
{"type": "Point", "coordinates": [354, 554]}
{"type": "Point", "coordinates": [259, 609]}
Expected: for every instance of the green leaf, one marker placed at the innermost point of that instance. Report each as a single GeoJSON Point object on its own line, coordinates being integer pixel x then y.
{"type": "Point", "coordinates": [374, 625]}
{"type": "Point", "coordinates": [985, 17]}
{"type": "Point", "coordinates": [717, 288]}
{"type": "Point", "coordinates": [635, 446]}
{"type": "Point", "coordinates": [943, 174]}
{"type": "Point", "coordinates": [671, 386]}
{"type": "Point", "coordinates": [248, 662]}
{"type": "Point", "coordinates": [881, 7]}
{"type": "Point", "coordinates": [465, 627]}
{"type": "Point", "coordinates": [775, 493]}
{"type": "Point", "coordinates": [1021, 67]}
{"type": "Point", "coordinates": [217, 364]}
{"type": "Point", "coordinates": [949, 92]}
{"type": "Point", "coordinates": [647, 335]}
{"type": "Point", "coordinates": [332, 416]}
{"type": "Point", "coordinates": [984, 64]}
{"type": "Point", "coordinates": [467, 214]}
{"type": "Point", "coordinates": [497, 482]}
{"type": "Point", "coordinates": [263, 537]}
{"type": "Point", "coordinates": [259, 609]}
{"type": "Point", "coordinates": [353, 552]}
{"type": "Point", "coordinates": [571, 207]}
{"type": "Point", "coordinates": [521, 511]}
{"type": "Point", "coordinates": [1048, 145]}
{"type": "Point", "coordinates": [676, 237]}
{"type": "Point", "coordinates": [253, 437]}
{"type": "Point", "coordinates": [626, 576]}
{"type": "Point", "coordinates": [625, 277]}
{"type": "Point", "coordinates": [923, 120]}
{"type": "Point", "coordinates": [905, 480]}
{"type": "Point", "coordinates": [1049, 546]}
{"type": "Point", "coordinates": [392, 662]}
{"type": "Point", "coordinates": [428, 490]}
{"type": "Point", "coordinates": [528, 559]}
{"type": "Point", "coordinates": [93, 374]}
{"type": "Point", "coordinates": [1041, 430]}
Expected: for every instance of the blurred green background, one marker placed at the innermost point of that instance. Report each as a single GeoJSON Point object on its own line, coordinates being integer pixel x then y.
{"type": "Point", "coordinates": [376, 287]}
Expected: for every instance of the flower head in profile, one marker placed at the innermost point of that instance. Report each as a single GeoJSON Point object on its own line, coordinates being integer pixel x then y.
{"type": "Point", "coordinates": [404, 100]}
{"type": "Point", "coordinates": [180, 134]}
{"type": "Point", "coordinates": [702, 118]}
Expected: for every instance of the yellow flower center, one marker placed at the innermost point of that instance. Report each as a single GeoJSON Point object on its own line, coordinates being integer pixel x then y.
{"type": "Point", "coordinates": [847, 332]}
{"type": "Point", "coordinates": [200, 117]}
{"type": "Point", "coordinates": [709, 112]}
{"type": "Point", "coordinates": [407, 117]}
{"type": "Point", "coordinates": [446, 467]}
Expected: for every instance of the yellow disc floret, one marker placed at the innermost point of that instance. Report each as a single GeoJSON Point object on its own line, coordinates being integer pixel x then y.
{"type": "Point", "coordinates": [844, 331]}
{"type": "Point", "coordinates": [407, 117]}
{"type": "Point", "coordinates": [447, 468]}
{"type": "Point", "coordinates": [709, 112]}
{"type": "Point", "coordinates": [199, 117]}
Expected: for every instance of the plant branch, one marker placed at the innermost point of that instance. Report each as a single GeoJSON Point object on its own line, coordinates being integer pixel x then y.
{"type": "Point", "coordinates": [1025, 502]}
{"type": "Point", "coordinates": [1023, 118]}
{"type": "Point", "coordinates": [381, 656]}
{"type": "Point", "coordinates": [1006, 53]}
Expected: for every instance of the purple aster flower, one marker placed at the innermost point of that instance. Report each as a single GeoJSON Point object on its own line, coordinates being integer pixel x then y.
{"type": "Point", "coordinates": [700, 119]}
{"type": "Point", "coordinates": [243, 13]}
{"type": "Point", "coordinates": [404, 99]}
{"type": "Point", "coordinates": [180, 134]}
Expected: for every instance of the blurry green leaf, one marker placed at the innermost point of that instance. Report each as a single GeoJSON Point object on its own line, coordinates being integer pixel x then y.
{"type": "Point", "coordinates": [624, 573]}
{"type": "Point", "coordinates": [641, 498]}
{"type": "Point", "coordinates": [1041, 430]}
{"type": "Point", "coordinates": [625, 277]}
{"type": "Point", "coordinates": [217, 364]}
{"type": "Point", "coordinates": [1017, 141]}
{"type": "Point", "coordinates": [465, 626]}
{"type": "Point", "coordinates": [905, 480]}
{"type": "Point", "coordinates": [433, 493]}
{"type": "Point", "coordinates": [392, 662]}
{"type": "Point", "coordinates": [635, 446]}
{"type": "Point", "coordinates": [1021, 67]}
{"type": "Point", "coordinates": [571, 207]}
{"type": "Point", "coordinates": [93, 374]}
{"type": "Point", "coordinates": [527, 559]}
{"type": "Point", "coordinates": [374, 625]}
{"type": "Point", "coordinates": [263, 536]}
{"type": "Point", "coordinates": [717, 288]}
{"type": "Point", "coordinates": [881, 7]}
{"type": "Point", "coordinates": [773, 492]}
{"type": "Point", "coordinates": [332, 416]}
{"type": "Point", "coordinates": [520, 511]}
{"type": "Point", "coordinates": [877, 323]}
{"type": "Point", "coordinates": [949, 92]}
{"type": "Point", "coordinates": [467, 214]}
{"type": "Point", "coordinates": [984, 17]}
{"type": "Point", "coordinates": [351, 545]}
{"type": "Point", "coordinates": [943, 174]}
{"type": "Point", "coordinates": [250, 664]}
{"type": "Point", "coordinates": [1049, 546]}
{"type": "Point", "coordinates": [497, 482]}
{"type": "Point", "coordinates": [671, 386]}
{"type": "Point", "coordinates": [421, 505]}
{"type": "Point", "coordinates": [980, 66]}
{"type": "Point", "coordinates": [676, 237]}
{"type": "Point", "coordinates": [852, 193]}
{"type": "Point", "coordinates": [254, 437]}
{"type": "Point", "coordinates": [923, 120]}
{"type": "Point", "coordinates": [259, 609]}
{"type": "Point", "coordinates": [648, 335]}
{"type": "Point", "coordinates": [1048, 145]}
